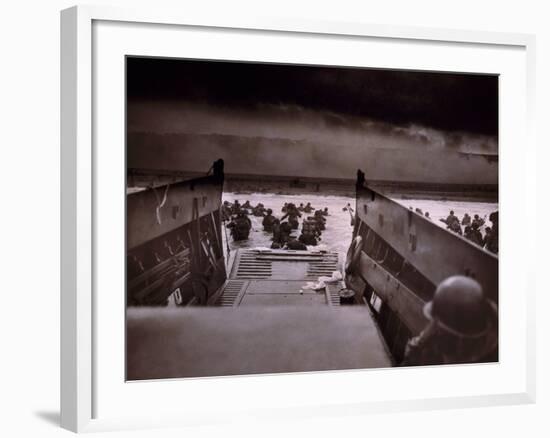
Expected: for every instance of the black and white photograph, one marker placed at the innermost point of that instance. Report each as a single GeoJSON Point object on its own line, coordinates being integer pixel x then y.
{"type": "Point", "coordinates": [275, 219]}
{"type": "Point", "coordinates": [297, 218]}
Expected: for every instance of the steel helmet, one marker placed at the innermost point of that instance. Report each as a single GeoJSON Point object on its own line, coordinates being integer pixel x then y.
{"type": "Point", "coordinates": [460, 308]}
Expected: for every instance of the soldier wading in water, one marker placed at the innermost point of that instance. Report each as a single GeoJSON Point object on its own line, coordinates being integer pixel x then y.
{"type": "Point", "coordinates": [293, 214]}
{"type": "Point", "coordinates": [240, 227]}
{"type": "Point", "coordinates": [462, 327]}
{"type": "Point", "coordinates": [268, 221]}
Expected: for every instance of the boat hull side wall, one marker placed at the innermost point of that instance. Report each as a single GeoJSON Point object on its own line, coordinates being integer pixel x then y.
{"type": "Point", "coordinates": [185, 202]}
{"type": "Point", "coordinates": [435, 252]}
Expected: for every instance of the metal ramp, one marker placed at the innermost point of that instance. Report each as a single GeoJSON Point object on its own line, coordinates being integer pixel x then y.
{"type": "Point", "coordinates": [231, 293]}
{"type": "Point", "coordinates": [278, 277]}
{"type": "Point", "coordinates": [262, 321]}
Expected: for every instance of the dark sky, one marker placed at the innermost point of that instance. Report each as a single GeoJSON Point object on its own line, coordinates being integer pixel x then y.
{"type": "Point", "coordinates": [451, 102]}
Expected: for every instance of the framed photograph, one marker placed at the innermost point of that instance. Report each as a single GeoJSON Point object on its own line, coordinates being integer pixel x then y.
{"type": "Point", "coordinates": [283, 217]}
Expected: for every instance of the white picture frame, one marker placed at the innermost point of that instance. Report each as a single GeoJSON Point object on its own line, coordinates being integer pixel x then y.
{"type": "Point", "coordinates": [81, 169]}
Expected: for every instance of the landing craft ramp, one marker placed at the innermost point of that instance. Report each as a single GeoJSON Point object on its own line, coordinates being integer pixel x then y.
{"type": "Point", "coordinates": [278, 277]}
{"type": "Point", "coordinates": [262, 320]}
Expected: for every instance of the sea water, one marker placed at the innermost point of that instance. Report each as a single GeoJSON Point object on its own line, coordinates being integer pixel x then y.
{"type": "Point", "coordinates": [338, 233]}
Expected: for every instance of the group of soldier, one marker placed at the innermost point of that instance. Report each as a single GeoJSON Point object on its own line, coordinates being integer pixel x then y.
{"type": "Point", "coordinates": [472, 229]}
{"type": "Point", "coordinates": [280, 228]}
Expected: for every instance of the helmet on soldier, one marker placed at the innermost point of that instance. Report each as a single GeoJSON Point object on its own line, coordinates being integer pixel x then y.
{"type": "Point", "coordinates": [460, 308]}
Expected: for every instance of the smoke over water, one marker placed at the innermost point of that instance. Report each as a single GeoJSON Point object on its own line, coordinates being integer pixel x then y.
{"type": "Point", "coordinates": [290, 140]}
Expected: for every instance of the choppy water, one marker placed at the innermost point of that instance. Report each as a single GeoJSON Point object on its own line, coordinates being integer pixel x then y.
{"type": "Point", "coordinates": [338, 233]}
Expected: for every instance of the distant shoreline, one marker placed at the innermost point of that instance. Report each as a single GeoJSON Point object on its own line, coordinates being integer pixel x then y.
{"type": "Point", "coordinates": [247, 184]}
{"type": "Point", "coordinates": [400, 190]}
{"type": "Point", "coordinates": [434, 195]}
